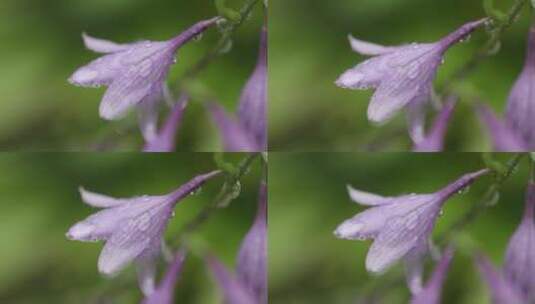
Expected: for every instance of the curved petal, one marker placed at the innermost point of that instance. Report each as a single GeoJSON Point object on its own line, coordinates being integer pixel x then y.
{"type": "Point", "coordinates": [367, 198]}
{"type": "Point", "coordinates": [252, 258]}
{"type": "Point", "coordinates": [146, 273]}
{"type": "Point", "coordinates": [502, 291]}
{"type": "Point", "coordinates": [434, 140]}
{"type": "Point", "coordinates": [121, 249]}
{"type": "Point", "coordinates": [368, 48]}
{"type": "Point", "coordinates": [503, 137]}
{"type": "Point", "coordinates": [433, 289]}
{"type": "Point", "coordinates": [98, 72]}
{"type": "Point", "coordinates": [100, 200]}
{"type": "Point", "coordinates": [233, 290]}
{"type": "Point", "coordinates": [235, 137]}
{"type": "Point", "coordinates": [124, 93]}
{"type": "Point", "coordinates": [103, 46]}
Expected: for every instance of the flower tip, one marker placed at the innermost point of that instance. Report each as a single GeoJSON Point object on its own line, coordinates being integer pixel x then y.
{"type": "Point", "coordinates": [80, 232]}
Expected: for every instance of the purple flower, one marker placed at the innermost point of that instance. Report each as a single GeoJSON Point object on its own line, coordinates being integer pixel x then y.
{"type": "Point", "coordinates": [503, 137]}
{"type": "Point", "coordinates": [402, 76]}
{"type": "Point", "coordinates": [135, 73]}
{"type": "Point", "coordinates": [400, 226]}
{"type": "Point", "coordinates": [234, 291]}
{"type": "Point", "coordinates": [434, 141]}
{"type": "Point", "coordinates": [253, 101]}
{"type": "Point", "coordinates": [521, 103]}
{"type": "Point", "coordinates": [248, 133]}
{"type": "Point", "coordinates": [252, 258]}
{"type": "Point", "coordinates": [519, 268]}
{"type": "Point", "coordinates": [132, 228]}
{"type": "Point", "coordinates": [164, 294]}
{"type": "Point", "coordinates": [433, 289]}
{"type": "Point", "coordinates": [502, 290]}
{"type": "Point", "coordinates": [164, 141]}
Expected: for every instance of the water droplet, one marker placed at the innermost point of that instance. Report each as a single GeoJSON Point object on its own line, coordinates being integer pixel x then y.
{"type": "Point", "coordinates": [148, 44]}
{"type": "Point", "coordinates": [227, 47]}
{"type": "Point", "coordinates": [494, 199]}
{"type": "Point", "coordinates": [198, 37]}
{"type": "Point", "coordinates": [464, 190]}
{"type": "Point", "coordinates": [441, 212]}
{"type": "Point", "coordinates": [442, 60]}
{"type": "Point", "coordinates": [174, 60]}
{"type": "Point", "coordinates": [196, 191]}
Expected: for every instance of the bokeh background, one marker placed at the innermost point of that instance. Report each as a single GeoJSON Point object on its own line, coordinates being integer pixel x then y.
{"type": "Point", "coordinates": [309, 50]}
{"type": "Point", "coordinates": [42, 47]}
{"type": "Point", "coordinates": [39, 201]}
{"type": "Point", "coordinates": [308, 200]}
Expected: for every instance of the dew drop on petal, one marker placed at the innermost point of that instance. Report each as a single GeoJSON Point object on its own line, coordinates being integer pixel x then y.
{"type": "Point", "coordinates": [464, 190]}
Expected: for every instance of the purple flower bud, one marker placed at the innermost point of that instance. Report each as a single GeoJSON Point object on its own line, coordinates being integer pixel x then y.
{"type": "Point", "coordinates": [502, 291]}
{"type": "Point", "coordinates": [520, 258]}
{"type": "Point", "coordinates": [402, 76]}
{"type": "Point", "coordinates": [134, 73]}
{"type": "Point", "coordinates": [132, 228]}
{"type": "Point", "coordinates": [253, 101]}
{"type": "Point", "coordinates": [434, 141]}
{"type": "Point", "coordinates": [164, 141]}
{"type": "Point", "coordinates": [521, 103]}
{"type": "Point", "coordinates": [503, 137]}
{"type": "Point", "coordinates": [234, 292]}
{"type": "Point", "coordinates": [235, 137]}
{"type": "Point", "coordinates": [164, 294]}
{"type": "Point", "coordinates": [400, 226]}
{"type": "Point", "coordinates": [252, 258]}
{"type": "Point", "coordinates": [432, 291]}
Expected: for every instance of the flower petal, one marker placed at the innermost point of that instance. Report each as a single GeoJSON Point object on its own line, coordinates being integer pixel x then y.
{"type": "Point", "coordinates": [124, 93]}
{"type": "Point", "coordinates": [146, 272]}
{"type": "Point", "coordinates": [121, 249]}
{"type": "Point", "coordinates": [233, 290]}
{"type": "Point", "coordinates": [100, 200]}
{"type": "Point", "coordinates": [503, 137]}
{"type": "Point", "coordinates": [98, 72]}
{"type": "Point", "coordinates": [253, 100]}
{"type": "Point", "coordinates": [235, 137]}
{"type": "Point", "coordinates": [164, 294]}
{"type": "Point", "coordinates": [252, 257]}
{"type": "Point", "coordinates": [414, 266]}
{"type": "Point", "coordinates": [368, 48]}
{"type": "Point", "coordinates": [502, 291]}
{"type": "Point", "coordinates": [434, 141]}
{"type": "Point", "coordinates": [433, 289]}
{"type": "Point", "coordinates": [103, 46]}
{"type": "Point", "coordinates": [367, 198]}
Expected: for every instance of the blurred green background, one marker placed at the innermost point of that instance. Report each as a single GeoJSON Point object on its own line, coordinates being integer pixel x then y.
{"type": "Point", "coordinates": [309, 50]}
{"type": "Point", "coordinates": [308, 200]}
{"type": "Point", "coordinates": [39, 201]}
{"type": "Point", "coordinates": [42, 47]}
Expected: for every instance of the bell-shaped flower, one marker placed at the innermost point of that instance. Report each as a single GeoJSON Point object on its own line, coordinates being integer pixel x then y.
{"type": "Point", "coordinates": [164, 293]}
{"type": "Point", "coordinates": [252, 258]}
{"type": "Point", "coordinates": [234, 291]}
{"type": "Point", "coordinates": [502, 290]}
{"type": "Point", "coordinates": [521, 102]}
{"type": "Point", "coordinates": [135, 73]}
{"type": "Point", "coordinates": [402, 76]}
{"type": "Point", "coordinates": [434, 140]}
{"type": "Point", "coordinates": [504, 138]}
{"type": "Point", "coordinates": [432, 291]}
{"type": "Point", "coordinates": [247, 133]}
{"type": "Point", "coordinates": [164, 140]}
{"type": "Point", "coordinates": [519, 268]}
{"type": "Point", "coordinates": [253, 100]}
{"type": "Point", "coordinates": [132, 228]}
{"type": "Point", "coordinates": [400, 226]}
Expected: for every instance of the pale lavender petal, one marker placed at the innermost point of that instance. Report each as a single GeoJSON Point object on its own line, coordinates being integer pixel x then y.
{"type": "Point", "coordinates": [434, 141]}
{"type": "Point", "coordinates": [368, 48]}
{"type": "Point", "coordinates": [253, 100]}
{"type": "Point", "coordinates": [146, 272]}
{"type": "Point", "coordinates": [100, 200]}
{"type": "Point", "coordinates": [519, 265]}
{"type": "Point", "coordinates": [414, 266]}
{"type": "Point", "coordinates": [416, 117]}
{"type": "Point", "coordinates": [234, 292]}
{"type": "Point", "coordinates": [121, 249]}
{"type": "Point", "coordinates": [521, 102]}
{"type": "Point", "coordinates": [501, 290]}
{"type": "Point", "coordinates": [103, 46]}
{"type": "Point", "coordinates": [503, 137]}
{"type": "Point", "coordinates": [98, 72]}
{"type": "Point", "coordinates": [148, 112]}
{"type": "Point", "coordinates": [164, 294]}
{"type": "Point", "coordinates": [235, 138]}
{"type": "Point", "coordinates": [252, 258]}
{"type": "Point", "coordinates": [433, 289]}
{"type": "Point", "coordinates": [369, 199]}
{"type": "Point", "coordinates": [166, 138]}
